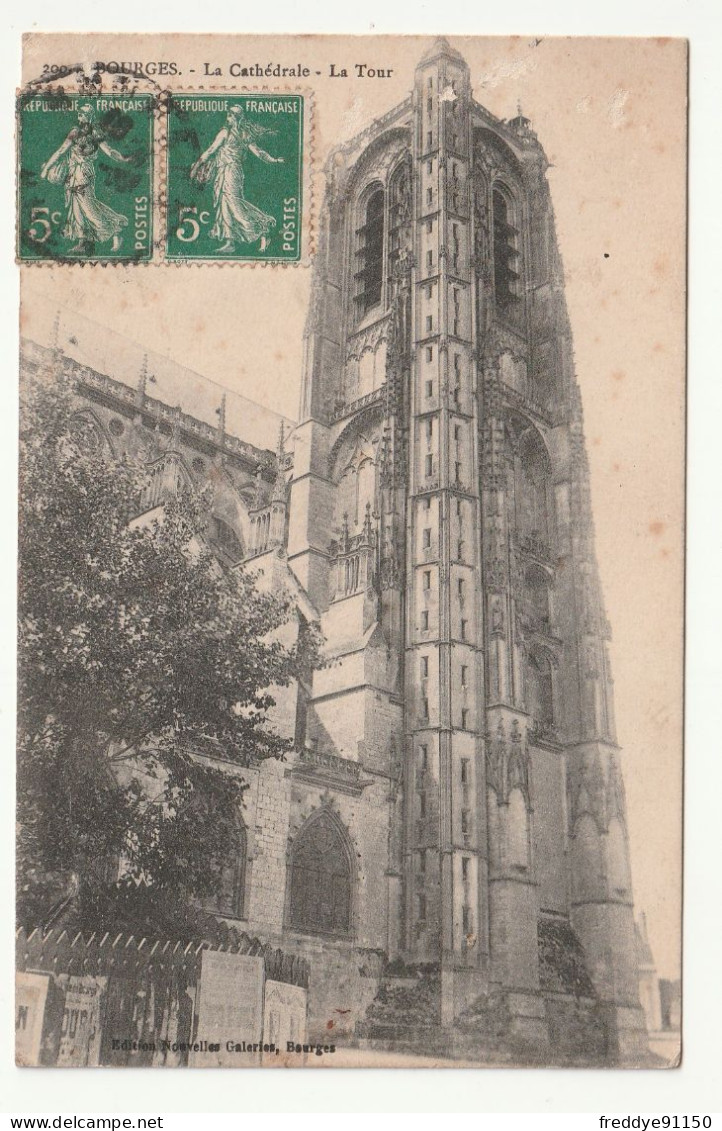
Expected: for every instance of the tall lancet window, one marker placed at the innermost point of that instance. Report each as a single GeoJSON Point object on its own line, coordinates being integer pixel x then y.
{"type": "Point", "coordinates": [506, 253]}
{"type": "Point", "coordinates": [533, 475]}
{"type": "Point", "coordinates": [320, 879]}
{"type": "Point", "coordinates": [371, 272]}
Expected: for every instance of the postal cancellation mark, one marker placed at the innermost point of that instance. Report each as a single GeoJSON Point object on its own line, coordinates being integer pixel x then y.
{"type": "Point", "coordinates": [85, 177]}
{"type": "Point", "coordinates": [233, 177]}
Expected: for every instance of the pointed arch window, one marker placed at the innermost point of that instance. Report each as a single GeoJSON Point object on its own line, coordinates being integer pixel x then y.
{"type": "Point", "coordinates": [506, 251]}
{"type": "Point", "coordinates": [371, 253]}
{"type": "Point", "coordinates": [533, 490]}
{"type": "Point", "coordinates": [320, 882]}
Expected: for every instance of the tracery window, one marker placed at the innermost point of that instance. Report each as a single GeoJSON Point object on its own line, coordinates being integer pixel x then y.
{"type": "Point", "coordinates": [383, 236]}
{"type": "Point", "coordinates": [356, 488]}
{"type": "Point", "coordinates": [532, 490]}
{"type": "Point", "coordinates": [320, 879]}
{"type": "Point", "coordinates": [87, 433]}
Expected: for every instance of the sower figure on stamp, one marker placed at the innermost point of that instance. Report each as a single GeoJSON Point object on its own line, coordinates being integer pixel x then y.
{"type": "Point", "coordinates": [236, 219]}
{"type": "Point", "coordinates": [72, 165]}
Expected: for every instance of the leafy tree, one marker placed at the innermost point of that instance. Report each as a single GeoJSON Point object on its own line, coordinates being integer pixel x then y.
{"type": "Point", "coordinates": [144, 669]}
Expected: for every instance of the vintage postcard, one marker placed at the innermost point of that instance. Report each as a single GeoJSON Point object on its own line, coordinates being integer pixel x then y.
{"type": "Point", "coordinates": [351, 551]}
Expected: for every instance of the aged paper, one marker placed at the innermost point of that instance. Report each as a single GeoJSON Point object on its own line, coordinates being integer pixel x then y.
{"type": "Point", "coordinates": [352, 462]}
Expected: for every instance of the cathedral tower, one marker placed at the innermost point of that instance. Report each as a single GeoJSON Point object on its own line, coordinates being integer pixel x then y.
{"type": "Point", "coordinates": [440, 523]}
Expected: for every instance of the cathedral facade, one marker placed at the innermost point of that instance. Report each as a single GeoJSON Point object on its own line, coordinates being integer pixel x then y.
{"type": "Point", "coordinates": [454, 802]}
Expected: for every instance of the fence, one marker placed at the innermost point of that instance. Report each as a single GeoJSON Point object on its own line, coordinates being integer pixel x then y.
{"type": "Point", "coordinates": [122, 1000]}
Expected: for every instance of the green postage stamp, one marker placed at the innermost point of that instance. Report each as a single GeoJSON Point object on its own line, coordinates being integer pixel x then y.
{"type": "Point", "coordinates": [234, 177]}
{"type": "Point", "coordinates": [85, 176]}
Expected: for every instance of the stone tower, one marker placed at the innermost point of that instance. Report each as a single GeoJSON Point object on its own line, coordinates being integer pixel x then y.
{"type": "Point", "coordinates": [440, 523]}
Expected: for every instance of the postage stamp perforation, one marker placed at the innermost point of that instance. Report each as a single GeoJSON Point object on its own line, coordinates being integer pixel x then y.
{"type": "Point", "coordinates": [161, 199]}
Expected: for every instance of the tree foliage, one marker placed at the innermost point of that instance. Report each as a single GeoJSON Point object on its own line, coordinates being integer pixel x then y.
{"type": "Point", "coordinates": [144, 672]}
